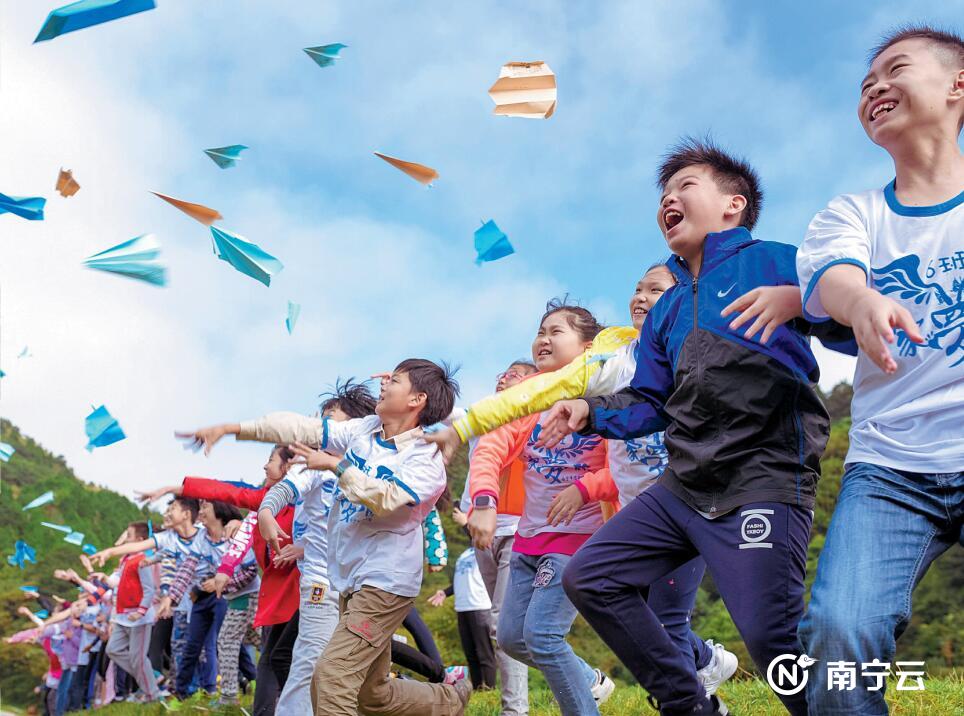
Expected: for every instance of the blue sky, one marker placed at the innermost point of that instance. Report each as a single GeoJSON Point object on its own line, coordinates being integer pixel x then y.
{"type": "Point", "coordinates": [382, 267]}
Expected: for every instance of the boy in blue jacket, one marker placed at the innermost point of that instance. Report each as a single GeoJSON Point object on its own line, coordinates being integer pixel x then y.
{"type": "Point", "coordinates": [744, 429]}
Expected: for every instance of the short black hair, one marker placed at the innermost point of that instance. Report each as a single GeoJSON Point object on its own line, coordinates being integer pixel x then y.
{"type": "Point", "coordinates": [579, 319]}
{"type": "Point", "coordinates": [732, 174]}
{"type": "Point", "coordinates": [951, 43]}
{"type": "Point", "coordinates": [140, 529]}
{"type": "Point", "coordinates": [224, 512]}
{"type": "Point", "coordinates": [190, 504]}
{"type": "Point", "coordinates": [438, 384]}
{"type": "Point", "coordinates": [352, 397]}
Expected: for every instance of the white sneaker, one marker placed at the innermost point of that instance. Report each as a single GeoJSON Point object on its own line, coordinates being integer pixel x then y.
{"type": "Point", "coordinates": [603, 688]}
{"type": "Point", "coordinates": [721, 667]}
{"type": "Point", "coordinates": [454, 674]}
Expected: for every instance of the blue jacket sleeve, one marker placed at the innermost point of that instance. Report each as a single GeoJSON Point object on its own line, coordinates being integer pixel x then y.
{"type": "Point", "coordinates": [637, 410]}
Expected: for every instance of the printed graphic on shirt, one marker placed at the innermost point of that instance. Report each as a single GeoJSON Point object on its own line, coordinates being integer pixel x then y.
{"type": "Point", "coordinates": [560, 464]}
{"type": "Point", "coordinates": [351, 512]}
{"type": "Point", "coordinates": [943, 326]}
{"type": "Point", "coordinates": [317, 594]}
{"type": "Point", "coordinates": [649, 451]}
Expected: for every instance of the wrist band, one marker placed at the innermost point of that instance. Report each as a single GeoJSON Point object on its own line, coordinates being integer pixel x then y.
{"type": "Point", "coordinates": [342, 466]}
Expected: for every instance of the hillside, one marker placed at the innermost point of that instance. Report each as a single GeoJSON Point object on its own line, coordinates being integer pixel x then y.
{"type": "Point", "coordinates": [100, 514]}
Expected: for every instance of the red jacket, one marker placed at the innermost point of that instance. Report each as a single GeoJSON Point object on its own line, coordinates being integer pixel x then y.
{"type": "Point", "coordinates": [130, 592]}
{"type": "Point", "coordinates": [280, 592]}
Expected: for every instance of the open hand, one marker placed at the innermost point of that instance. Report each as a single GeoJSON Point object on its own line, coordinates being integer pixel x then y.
{"type": "Point", "coordinates": [447, 441]}
{"type": "Point", "coordinates": [874, 318]}
{"type": "Point", "coordinates": [288, 554]}
{"type": "Point", "coordinates": [771, 306]}
{"type": "Point", "coordinates": [205, 438]}
{"type": "Point", "coordinates": [564, 506]}
{"type": "Point", "coordinates": [271, 530]}
{"type": "Point", "coordinates": [437, 599]}
{"type": "Point", "coordinates": [565, 417]}
{"type": "Point", "coordinates": [313, 459]}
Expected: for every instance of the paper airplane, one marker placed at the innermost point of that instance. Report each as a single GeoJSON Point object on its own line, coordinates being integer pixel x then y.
{"type": "Point", "coordinates": [30, 589]}
{"type": "Point", "coordinates": [294, 310]}
{"type": "Point", "coordinates": [25, 353]}
{"type": "Point", "coordinates": [66, 184]}
{"type": "Point", "coordinates": [22, 553]}
{"type": "Point", "coordinates": [76, 538]}
{"type": "Point", "coordinates": [88, 549]}
{"type": "Point", "coordinates": [60, 528]}
{"type": "Point", "coordinates": [246, 257]}
{"type": "Point", "coordinates": [102, 429]}
{"type": "Point", "coordinates": [524, 89]}
{"type": "Point", "coordinates": [6, 452]}
{"type": "Point", "coordinates": [225, 157]}
{"type": "Point", "coordinates": [2, 374]}
{"type": "Point", "coordinates": [325, 55]}
{"type": "Point", "coordinates": [137, 258]}
{"type": "Point", "coordinates": [41, 614]}
{"type": "Point", "coordinates": [37, 502]}
{"type": "Point", "coordinates": [198, 212]}
{"type": "Point", "coordinates": [86, 13]}
{"type": "Point", "coordinates": [491, 243]}
{"type": "Point", "coordinates": [418, 172]}
{"type": "Point", "coordinates": [30, 208]}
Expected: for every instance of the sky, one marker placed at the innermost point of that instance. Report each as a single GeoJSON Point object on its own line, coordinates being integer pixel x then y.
{"type": "Point", "coordinates": [382, 267]}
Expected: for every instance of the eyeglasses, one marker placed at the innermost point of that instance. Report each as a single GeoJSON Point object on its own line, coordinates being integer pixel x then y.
{"type": "Point", "coordinates": [508, 375]}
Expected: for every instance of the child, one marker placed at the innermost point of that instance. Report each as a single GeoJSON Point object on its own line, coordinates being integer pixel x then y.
{"type": "Point", "coordinates": [312, 493]}
{"type": "Point", "coordinates": [889, 262]}
{"type": "Point", "coordinates": [275, 606]}
{"type": "Point", "coordinates": [473, 612]}
{"type": "Point", "coordinates": [536, 615]}
{"type": "Point", "coordinates": [744, 430]}
{"type": "Point", "coordinates": [133, 617]}
{"type": "Point", "coordinates": [388, 481]}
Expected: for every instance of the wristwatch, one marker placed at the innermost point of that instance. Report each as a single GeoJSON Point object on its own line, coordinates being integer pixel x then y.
{"type": "Point", "coordinates": [484, 502]}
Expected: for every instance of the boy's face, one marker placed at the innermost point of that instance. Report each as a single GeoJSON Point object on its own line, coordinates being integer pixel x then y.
{"type": "Point", "coordinates": [693, 206]}
{"type": "Point", "coordinates": [396, 397]}
{"type": "Point", "coordinates": [178, 515]}
{"type": "Point", "coordinates": [907, 90]}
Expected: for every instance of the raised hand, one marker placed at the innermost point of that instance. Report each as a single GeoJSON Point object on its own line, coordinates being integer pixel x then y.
{"type": "Point", "coordinates": [207, 438]}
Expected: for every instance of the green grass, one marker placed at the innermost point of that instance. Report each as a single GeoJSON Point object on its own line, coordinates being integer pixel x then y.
{"type": "Point", "coordinates": [942, 696]}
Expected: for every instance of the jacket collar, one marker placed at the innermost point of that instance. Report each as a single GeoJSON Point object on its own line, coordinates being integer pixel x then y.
{"type": "Point", "coordinates": [717, 246]}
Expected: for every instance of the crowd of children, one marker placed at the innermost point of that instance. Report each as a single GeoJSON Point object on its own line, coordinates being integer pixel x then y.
{"type": "Point", "coordinates": [605, 476]}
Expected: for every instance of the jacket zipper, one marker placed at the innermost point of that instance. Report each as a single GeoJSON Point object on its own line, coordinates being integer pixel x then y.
{"type": "Point", "coordinates": [699, 367]}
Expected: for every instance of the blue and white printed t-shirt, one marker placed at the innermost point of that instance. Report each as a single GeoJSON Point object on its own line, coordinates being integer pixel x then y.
{"type": "Point", "coordinates": [382, 551]}
{"type": "Point", "coordinates": [911, 420]}
{"type": "Point", "coordinates": [314, 494]}
{"type": "Point", "coordinates": [470, 592]}
{"type": "Point", "coordinates": [179, 548]}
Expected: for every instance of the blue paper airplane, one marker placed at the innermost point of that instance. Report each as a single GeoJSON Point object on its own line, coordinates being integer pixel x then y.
{"type": "Point", "coordinates": [22, 553]}
{"type": "Point", "coordinates": [78, 15]}
{"type": "Point", "coordinates": [28, 207]}
{"type": "Point", "coordinates": [225, 157]}
{"type": "Point", "coordinates": [30, 588]}
{"type": "Point", "coordinates": [102, 429]}
{"type": "Point", "coordinates": [60, 528]}
{"type": "Point", "coordinates": [88, 549]}
{"type": "Point", "coordinates": [2, 374]}
{"type": "Point", "coordinates": [137, 258]}
{"type": "Point", "coordinates": [6, 452]}
{"type": "Point", "coordinates": [325, 55]}
{"type": "Point", "coordinates": [41, 614]}
{"type": "Point", "coordinates": [294, 310]}
{"type": "Point", "coordinates": [37, 502]}
{"type": "Point", "coordinates": [246, 257]}
{"type": "Point", "coordinates": [491, 244]}
{"type": "Point", "coordinates": [76, 538]}
{"type": "Point", "coordinates": [25, 353]}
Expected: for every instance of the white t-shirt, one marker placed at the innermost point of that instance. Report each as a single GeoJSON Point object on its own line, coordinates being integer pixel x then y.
{"type": "Point", "coordinates": [470, 592]}
{"type": "Point", "coordinates": [911, 420]}
{"type": "Point", "coordinates": [383, 551]}
{"type": "Point", "coordinates": [315, 491]}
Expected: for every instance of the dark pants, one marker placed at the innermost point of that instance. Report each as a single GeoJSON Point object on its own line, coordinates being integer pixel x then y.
{"type": "Point", "coordinates": [277, 641]}
{"type": "Point", "coordinates": [757, 555]}
{"type": "Point", "coordinates": [423, 660]}
{"type": "Point", "coordinates": [160, 650]}
{"type": "Point", "coordinates": [475, 633]}
{"type": "Point", "coordinates": [207, 613]}
{"type": "Point", "coordinates": [77, 700]}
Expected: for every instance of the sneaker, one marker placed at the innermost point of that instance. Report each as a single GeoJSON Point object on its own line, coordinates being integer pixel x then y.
{"type": "Point", "coordinates": [463, 687]}
{"type": "Point", "coordinates": [455, 673]}
{"type": "Point", "coordinates": [602, 688]}
{"type": "Point", "coordinates": [719, 708]}
{"type": "Point", "coordinates": [721, 667]}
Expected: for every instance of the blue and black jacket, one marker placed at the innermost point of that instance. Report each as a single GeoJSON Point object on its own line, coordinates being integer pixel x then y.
{"type": "Point", "coordinates": [743, 420]}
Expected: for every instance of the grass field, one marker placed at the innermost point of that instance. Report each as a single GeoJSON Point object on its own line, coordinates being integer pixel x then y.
{"type": "Point", "coordinates": [748, 697]}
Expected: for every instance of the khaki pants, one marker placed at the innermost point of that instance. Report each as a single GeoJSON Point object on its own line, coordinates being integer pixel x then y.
{"type": "Point", "coordinates": [352, 675]}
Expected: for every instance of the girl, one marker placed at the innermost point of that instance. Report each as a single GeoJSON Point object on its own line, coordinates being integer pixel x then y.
{"type": "Point", "coordinates": [536, 615]}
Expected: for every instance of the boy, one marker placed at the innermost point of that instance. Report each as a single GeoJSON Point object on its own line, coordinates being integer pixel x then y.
{"type": "Point", "coordinates": [388, 481]}
{"type": "Point", "coordinates": [133, 617]}
{"type": "Point", "coordinates": [312, 493]}
{"type": "Point", "coordinates": [743, 427]}
{"type": "Point", "coordinates": [890, 263]}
